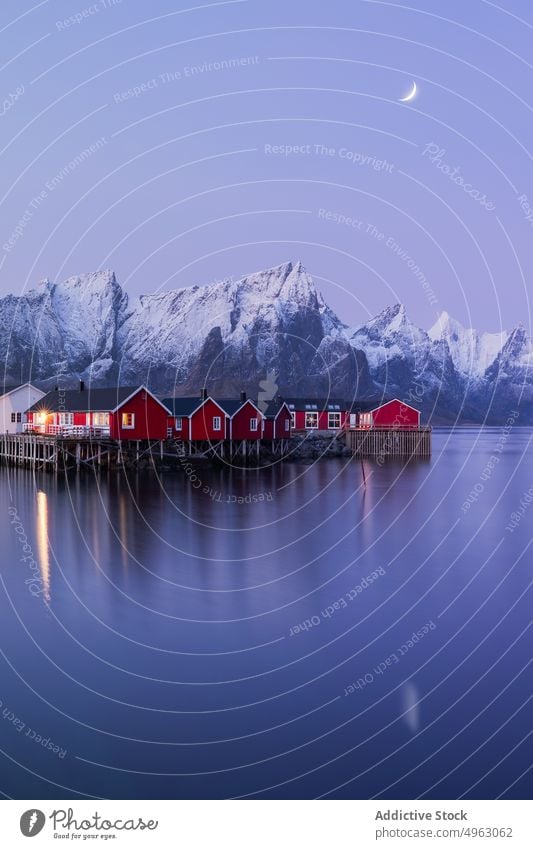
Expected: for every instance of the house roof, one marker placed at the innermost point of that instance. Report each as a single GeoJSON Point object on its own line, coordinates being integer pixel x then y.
{"type": "Point", "coordinates": [186, 406]}
{"type": "Point", "coordinates": [233, 405]}
{"type": "Point", "coordinates": [7, 390]}
{"type": "Point", "coordinates": [313, 405]}
{"type": "Point", "coordinates": [182, 406]}
{"type": "Point", "coordinates": [84, 400]}
{"type": "Point", "coordinates": [274, 408]}
{"type": "Point", "coordinates": [362, 406]}
{"type": "Point", "coordinates": [372, 406]}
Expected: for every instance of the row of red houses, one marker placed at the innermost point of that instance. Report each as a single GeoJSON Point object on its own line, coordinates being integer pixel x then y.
{"type": "Point", "coordinates": [135, 413]}
{"type": "Point", "coordinates": [126, 413]}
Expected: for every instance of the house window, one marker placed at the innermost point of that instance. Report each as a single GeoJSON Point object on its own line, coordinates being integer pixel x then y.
{"type": "Point", "coordinates": [311, 420]}
{"type": "Point", "coordinates": [179, 423]}
{"type": "Point", "coordinates": [217, 425]}
{"type": "Point", "coordinates": [286, 424]}
{"type": "Point", "coordinates": [66, 419]}
{"type": "Point", "coordinates": [100, 419]}
{"type": "Point", "coordinates": [293, 420]}
{"type": "Point", "coordinates": [334, 420]}
{"type": "Point", "coordinates": [353, 419]}
{"type": "Point", "coordinates": [128, 421]}
{"type": "Point", "coordinates": [253, 424]}
{"type": "Point", "coordinates": [13, 417]}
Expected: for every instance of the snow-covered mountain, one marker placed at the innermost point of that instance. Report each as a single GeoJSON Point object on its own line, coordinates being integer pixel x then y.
{"type": "Point", "coordinates": [226, 336]}
{"type": "Point", "coordinates": [472, 353]}
{"type": "Point", "coordinates": [231, 335]}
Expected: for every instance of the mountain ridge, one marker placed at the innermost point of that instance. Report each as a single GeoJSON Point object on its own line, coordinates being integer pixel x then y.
{"type": "Point", "coordinates": [229, 335]}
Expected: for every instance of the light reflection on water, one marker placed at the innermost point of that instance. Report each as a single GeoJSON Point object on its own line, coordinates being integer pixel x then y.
{"type": "Point", "coordinates": [168, 620]}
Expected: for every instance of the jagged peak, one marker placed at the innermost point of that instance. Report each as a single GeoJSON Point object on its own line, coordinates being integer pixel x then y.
{"type": "Point", "coordinates": [90, 280]}
{"type": "Point", "coordinates": [392, 318]}
{"type": "Point", "coordinates": [101, 278]}
{"type": "Point", "coordinates": [444, 325]}
{"type": "Point", "coordinates": [283, 271]}
{"type": "Point", "coordinates": [518, 339]}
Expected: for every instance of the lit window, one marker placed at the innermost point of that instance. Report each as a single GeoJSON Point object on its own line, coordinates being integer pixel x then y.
{"type": "Point", "coordinates": [293, 419]}
{"type": "Point", "coordinates": [217, 423]}
{"type": "Point", "coordinates": [311, 420]}
{"type": "Point", "coordinates": [334, 420]}
{"type": "Point", "coordinates": [287, 424]}
{"type": "Point", "coordinates": [253, 424]}
{"type": "Point", "coordinates": [66, 419]}
{"type": "Point", "coordinates": [179, 423]}
{"type": "Point", "coordinates": [101, 419]}
{"type": "Point", "coordinates": [128, 420]}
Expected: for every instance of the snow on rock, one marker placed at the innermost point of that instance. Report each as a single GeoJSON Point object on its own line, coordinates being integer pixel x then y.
{"type": "Point", "coordinates": [229, 335]}
{"type": "Point", "coordinates": [472, 353]}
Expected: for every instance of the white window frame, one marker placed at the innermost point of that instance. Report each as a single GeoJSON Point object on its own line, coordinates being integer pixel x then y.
{"type": "Point", "coordinates": [253, 424]}
{"type": "Point", "coordinates": [100, 419]}
{"type": "Point", "coordinates": [337, 424]}
{"type": "Point", "coordinates": [311, 413]}
{"type": "Point", "coordinates": [127, 426]}
{"type": "Point", "coordinates": [179, 423]}
{"type": "Point", "coordinates": [66, 419]}
{"type": "Point", "coordinates": [217, 423]}
{"type": "Point", "coordinates": [293, 419]}
{"type": "Point", "coordinates": [287, 424]}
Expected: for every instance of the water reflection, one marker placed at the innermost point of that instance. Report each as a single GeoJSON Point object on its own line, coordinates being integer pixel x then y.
{"type": "Point", "coordinates": [195, 642]}
{"type": "Point", "coordinates": [43, 546]}
{"type": "Point", "coordinates": [410, 697]}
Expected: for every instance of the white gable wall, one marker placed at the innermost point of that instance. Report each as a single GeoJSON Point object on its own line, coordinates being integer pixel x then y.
{"type": "Point", "coordinates": [15, 402]}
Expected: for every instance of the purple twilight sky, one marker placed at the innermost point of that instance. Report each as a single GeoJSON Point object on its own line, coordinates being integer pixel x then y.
{"type": "Point", "coordinates": [182, 143]}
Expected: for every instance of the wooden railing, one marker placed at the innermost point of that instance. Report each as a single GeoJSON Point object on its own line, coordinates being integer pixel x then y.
{"type": "Point", "coordinates": [67, 430]}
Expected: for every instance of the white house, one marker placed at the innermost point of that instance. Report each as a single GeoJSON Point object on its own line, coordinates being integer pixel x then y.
{"type": "Point", "coordinates": [14, 401]}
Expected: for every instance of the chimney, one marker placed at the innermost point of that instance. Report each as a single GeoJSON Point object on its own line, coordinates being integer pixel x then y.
{"type": "Point", "coordinates": [204, 393]}
{"type": "Point", "coordinates": [82, 385]}
{"type": "Point", "coordinates": [243, 397]}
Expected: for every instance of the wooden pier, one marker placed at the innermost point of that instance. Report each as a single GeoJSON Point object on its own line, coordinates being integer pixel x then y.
{"type": "Point", "coordinates": [62, 453]}
{"type": "Point", "coordinates": [65, 453]}
{"type": "Point", "coordinates": [390, 442]}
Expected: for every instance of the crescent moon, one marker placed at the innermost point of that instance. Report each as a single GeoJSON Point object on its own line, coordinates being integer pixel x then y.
{"type": "Point", "coordinates": [409, 96]}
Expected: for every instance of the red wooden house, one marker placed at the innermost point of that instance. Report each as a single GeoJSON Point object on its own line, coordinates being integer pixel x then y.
{"type": "Point", "coordinates": [196, 419]}
{"type": "Point", "coordinates": [278, 421]}
{"type": "Point", "coordinates": [324, 414]}
{"type": "Point", "coordinates": [122, 413]}
{"type": "Point", "coordinates": [393, 414]}
{"type": "Point", "coordinates": [245, 420]}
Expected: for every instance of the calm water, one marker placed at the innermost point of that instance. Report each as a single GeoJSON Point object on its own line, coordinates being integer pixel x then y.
{"type": "Point", "coordinates": [256, 639]}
